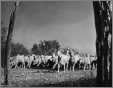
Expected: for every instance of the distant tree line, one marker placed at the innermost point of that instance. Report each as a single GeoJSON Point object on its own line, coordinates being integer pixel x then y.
{"type": "Point", "coordinates": [44, 47]}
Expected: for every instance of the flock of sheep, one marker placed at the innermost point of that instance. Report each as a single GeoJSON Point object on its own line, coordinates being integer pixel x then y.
{"type": "Point", "coordinates": [68, 61]}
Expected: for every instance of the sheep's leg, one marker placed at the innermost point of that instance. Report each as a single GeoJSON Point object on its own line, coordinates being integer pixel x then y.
{"type": "Point", "coordinates": [24, 65]}
{"type": "Point", "coordinates": [84, 66]}
{"type": "Point", "coordinates": [73, 66]}
{"type": "Point", "coordinates": [64, 67]}
{"type": "Point", "coordinates": [16, 65]}
{"type": "Point", "coordinates": [58, 67]}
{"type": "Point", "coordinates": [29, 65]}
{"type": "Point", "coordinates": [67, 66]}
{"type": "Point", "coordinates": [70, 67]}
{"type": "Point", "coordinates": [89, 67]}
{"type": "Point", "coordinates": [55, 65]}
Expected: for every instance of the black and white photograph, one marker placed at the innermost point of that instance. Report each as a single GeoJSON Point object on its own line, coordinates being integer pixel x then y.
{"type": "Point", "coordinates": [59, 43]}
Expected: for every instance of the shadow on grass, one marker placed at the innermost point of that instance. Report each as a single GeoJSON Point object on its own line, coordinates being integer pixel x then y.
{"type": "Point", "coordinates": [71, 83]}
{"type": "Point", "coordinates": [78, 83]}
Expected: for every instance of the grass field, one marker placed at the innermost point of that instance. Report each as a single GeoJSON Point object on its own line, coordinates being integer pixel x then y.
{"type": "Point", "coordinates": [39, 78]}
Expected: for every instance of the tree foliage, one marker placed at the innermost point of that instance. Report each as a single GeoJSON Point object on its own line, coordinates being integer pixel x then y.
{"type": "Point", "coordinates": [34, 49]}
{"type": "Point", "coordinates": [46, 47]}
{"type": "Point", "coordinates": [18, 49]}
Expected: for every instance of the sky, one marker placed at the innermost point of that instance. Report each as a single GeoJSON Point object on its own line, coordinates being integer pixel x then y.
{"type": "Point", "coordinates": [69, 22]}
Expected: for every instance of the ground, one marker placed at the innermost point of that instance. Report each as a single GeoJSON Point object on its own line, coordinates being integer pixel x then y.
{"type": "Point", "coordinates": [39, 78]}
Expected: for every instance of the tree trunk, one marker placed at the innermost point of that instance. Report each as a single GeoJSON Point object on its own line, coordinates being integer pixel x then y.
{"type": "Point", "coordinates": [103, 23]}
{"type": "Point", "coordinates": [7, 47]}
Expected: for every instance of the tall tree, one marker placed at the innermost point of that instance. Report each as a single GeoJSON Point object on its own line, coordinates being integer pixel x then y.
{"type": "Point", "coordinates": [7, 45]}
{"type": "Point", "coordinates": [103, 23]}
{"type": "Point", "coordinates": [3, 42]}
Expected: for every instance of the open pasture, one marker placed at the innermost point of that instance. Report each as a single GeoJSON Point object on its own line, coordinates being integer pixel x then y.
{"type": "Point", "coordinates": [48, 78]}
